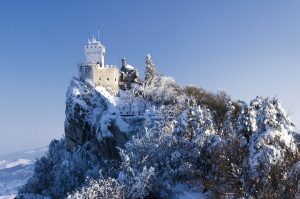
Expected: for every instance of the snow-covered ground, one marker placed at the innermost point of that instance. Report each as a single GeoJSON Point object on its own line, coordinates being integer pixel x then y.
{"type": "Point", "coordinates": [16, 169]}
{"type": "Point", "coordinates": [185, 192]}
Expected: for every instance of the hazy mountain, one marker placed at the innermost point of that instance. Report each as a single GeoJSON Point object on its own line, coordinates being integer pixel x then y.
{"type": "Point", "coordinates": [16, 169]}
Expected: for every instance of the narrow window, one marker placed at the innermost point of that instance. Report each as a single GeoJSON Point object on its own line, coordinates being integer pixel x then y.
{"type": "Point", "coordinates": [115, 79]}
{"type": "Point", "coordinates": [107, 79]}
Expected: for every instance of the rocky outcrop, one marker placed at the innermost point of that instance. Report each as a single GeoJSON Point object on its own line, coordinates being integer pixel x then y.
{"type": "Point", "coordinates": [91, 119]}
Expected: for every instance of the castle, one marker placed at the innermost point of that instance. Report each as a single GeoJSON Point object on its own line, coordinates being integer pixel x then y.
{"type": "Point", "coordinates": [95, 72]}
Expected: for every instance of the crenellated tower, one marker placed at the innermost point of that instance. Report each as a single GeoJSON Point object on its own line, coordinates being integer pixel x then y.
{"type": "Point", "coordinates": [95, 52]}
{"type": "Point", "coordinates": [95, 72]}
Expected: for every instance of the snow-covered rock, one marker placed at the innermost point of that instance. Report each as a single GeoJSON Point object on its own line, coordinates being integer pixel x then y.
{"type": "Point", "coordinates": [91, 117]}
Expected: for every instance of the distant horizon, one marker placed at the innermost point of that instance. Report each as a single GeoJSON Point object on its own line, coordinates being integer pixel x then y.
{"type": "Point", "coordinates": [248, 49]}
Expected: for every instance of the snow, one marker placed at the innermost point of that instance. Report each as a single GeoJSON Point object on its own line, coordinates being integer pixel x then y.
{"type": "Point", "coordinates": [104, 124]}
{"type": "Point", "coordinates": [122, 125]}
{"type": "Point", "coordinates": [190, 195]}
{"type": "Point", "coordinates": [6, 165]}
{"type": "Point", "coordinates": [265, 141]}
{"type": "Point", "coordinates": [8, 197]}
{"type": "Point", "coordinates": [129, 67]}
{"type": "Point", "coordinates": [182, 191]}
{"type": "Point", "coordinates": [81, 103]}
{"type": "Point", "coordinates": [108, 97]}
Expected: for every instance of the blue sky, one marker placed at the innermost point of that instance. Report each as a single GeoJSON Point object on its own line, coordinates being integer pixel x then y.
{"type": "Point", "coordinates": [247, 48]}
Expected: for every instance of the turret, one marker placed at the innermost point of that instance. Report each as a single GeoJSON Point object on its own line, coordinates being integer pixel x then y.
{"type": "Point", "coordinates": [123, 65]}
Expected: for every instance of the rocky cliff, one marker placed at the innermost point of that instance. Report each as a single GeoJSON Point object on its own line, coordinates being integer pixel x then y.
{"type": "Point", "coordinates": [92, 119]}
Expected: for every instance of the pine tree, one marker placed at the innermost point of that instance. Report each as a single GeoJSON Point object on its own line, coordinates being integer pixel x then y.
{"type": "Point", "coordinates": [272, 150]}
{"type": "Point", "coordinates": [228, 125]}
{"type": "Point", "coordinates": [195, 122]}
{"type": "Point", "coordinates": [246, 124]}
{"type": "Point", "coordinates": [205, 120]}
{"type": "Point", "coordinates": [150, 72]}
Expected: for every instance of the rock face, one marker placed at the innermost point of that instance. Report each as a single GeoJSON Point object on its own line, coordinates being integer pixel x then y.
{"type": "Point", "coordinates": [91, 119]}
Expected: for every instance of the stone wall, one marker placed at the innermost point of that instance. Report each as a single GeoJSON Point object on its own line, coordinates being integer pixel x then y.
{"type": "Point", "coordinates": [107, 77]}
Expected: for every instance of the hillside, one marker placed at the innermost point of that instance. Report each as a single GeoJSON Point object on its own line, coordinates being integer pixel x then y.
{"type": "Point", "coordinates": [159, 140]}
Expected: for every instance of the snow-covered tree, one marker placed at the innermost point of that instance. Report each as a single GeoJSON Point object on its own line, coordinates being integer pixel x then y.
{"type": "Point", "coordinates": [101, 188]}
{"type": "Point", "coordinates": [246, 124]}
{"type": "Point", "coordinates": [194, 122]}
{"type": "Point", "coordinates": [229, 123]}
{"type": "Point", "coordinates": [150, 71]}
{"type": "Point", "coordinates": [271, 145]}
{"type": "Point", "coordinates": [162, 90]}
{"type": "Point", "coordinates": [61, 171]}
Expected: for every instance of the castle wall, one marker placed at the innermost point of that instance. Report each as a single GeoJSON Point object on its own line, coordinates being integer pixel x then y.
{"type": "Point", "coordinates": [107, 77]}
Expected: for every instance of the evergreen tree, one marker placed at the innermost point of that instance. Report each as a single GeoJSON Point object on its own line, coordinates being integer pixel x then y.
{"type": "Point", "coordinates": [150, 72]}
{"type": "Point", "coordinates": [195, 123]}
{"type": "Point", "coordinates": [228, 125]}
{"type": "Point", "coordinates": [272, 150]}
{"type": "Point", "coordinates": [246, 124]}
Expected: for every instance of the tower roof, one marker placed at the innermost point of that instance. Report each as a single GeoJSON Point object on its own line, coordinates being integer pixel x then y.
{"type": "Point", "coordinates": [94, 41]}
{"type": "Point", "coordinates": [94, 51]}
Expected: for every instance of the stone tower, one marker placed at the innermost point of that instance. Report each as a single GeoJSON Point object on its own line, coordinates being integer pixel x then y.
{"type": "Point", "coordinates": [95, 72]}
{"type": "Point", "coordinates": [95, 52]}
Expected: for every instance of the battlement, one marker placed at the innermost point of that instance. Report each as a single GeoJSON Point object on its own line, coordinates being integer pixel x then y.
{"type": "Point", "coordinates": [111, 66]}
